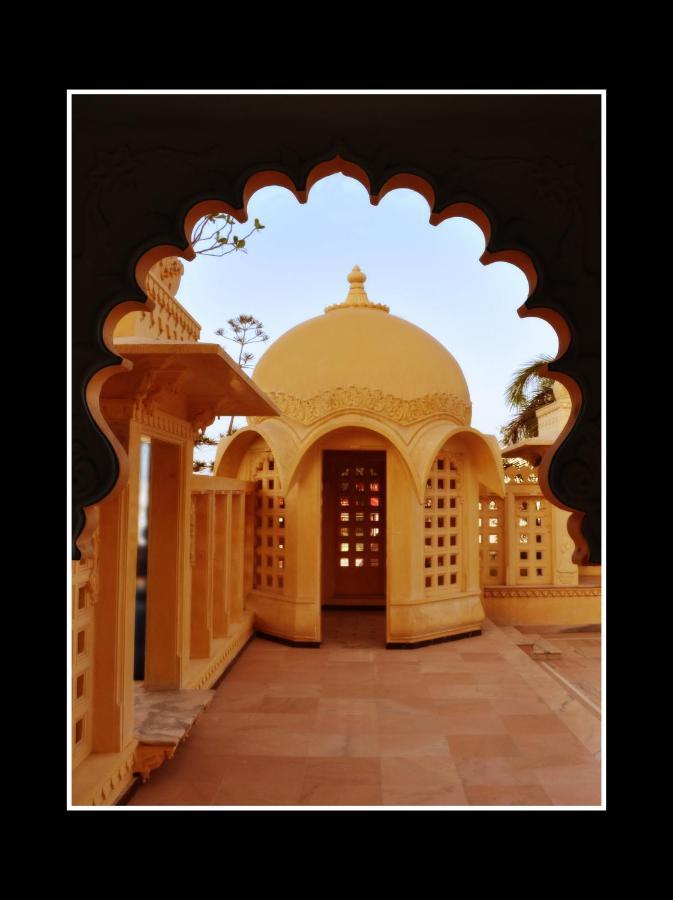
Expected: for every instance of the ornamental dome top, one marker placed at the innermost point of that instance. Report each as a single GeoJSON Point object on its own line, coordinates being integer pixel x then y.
{"type": "Point", "coordinates": [357, 295]}
{"type": "Point", "coordinates": [355, 358]}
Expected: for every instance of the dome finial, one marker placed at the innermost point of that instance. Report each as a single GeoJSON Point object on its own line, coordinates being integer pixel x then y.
{"type": "Point", "coordinates": [357, 295]}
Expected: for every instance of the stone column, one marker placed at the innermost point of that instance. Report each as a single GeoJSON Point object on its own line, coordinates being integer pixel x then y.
{"type": "Point", "coordinates": [201, 609]}
{"type": "Point", "coordinates": [510, 535]}
{"type": "Point", "coordinates": [471, 574]}
{"type": "Point", "coordinates": [167, 617]}
{"type": "Point", "coordinates": [231, 613]}
{"type": "Point", "coordinates": [115, 607]}
{"type": "Point", "coordinates": [220, 572]}
{"type": "Point", "coordinates": [237, 573]}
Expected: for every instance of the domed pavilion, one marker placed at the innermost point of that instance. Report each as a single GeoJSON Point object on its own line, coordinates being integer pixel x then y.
{"type": "Point", "coordinates": [367, 485]}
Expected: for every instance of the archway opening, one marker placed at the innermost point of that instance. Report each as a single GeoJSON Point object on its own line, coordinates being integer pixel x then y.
{"type": "Point", "coordinates": [354, 528]}
{"type": "Point", "coordinates": [441, 278]}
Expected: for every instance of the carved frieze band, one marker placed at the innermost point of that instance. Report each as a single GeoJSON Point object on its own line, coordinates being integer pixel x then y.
{"type": "Point", "coordinates": [108, 790]}
{"type": "Point", "coordinates": [124, 410]}
{"type": "Point", "coordinates": [219, 664]}
{"type": "Point", "coordinates": [560, 590]}
{"type": "Point", "coordinates": [405, 412]}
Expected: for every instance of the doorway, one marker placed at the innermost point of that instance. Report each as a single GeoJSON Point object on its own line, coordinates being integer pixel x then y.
{"type": "Point", "coordinates": [354, 528]}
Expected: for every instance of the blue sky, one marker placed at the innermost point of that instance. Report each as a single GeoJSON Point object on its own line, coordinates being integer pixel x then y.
{"type": "Point", "coordinates": [430, 275]}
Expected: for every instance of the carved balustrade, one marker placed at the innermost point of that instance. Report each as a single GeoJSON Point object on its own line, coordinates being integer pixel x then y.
{"type": "Point", "coordinates": [169, 320]}
{"type": "Point", "coordinates": [221, 567]}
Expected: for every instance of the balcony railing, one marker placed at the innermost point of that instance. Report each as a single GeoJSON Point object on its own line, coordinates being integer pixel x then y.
{"type": "Point", "coordinates": [221, 571]}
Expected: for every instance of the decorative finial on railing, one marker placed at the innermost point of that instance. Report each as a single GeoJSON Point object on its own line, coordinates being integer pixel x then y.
{"type": "Point", "coordinates": [357, 295]}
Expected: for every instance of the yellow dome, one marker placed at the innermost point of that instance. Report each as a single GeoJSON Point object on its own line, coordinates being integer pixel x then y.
{"type": "Point", "coordinates": [357, 356]}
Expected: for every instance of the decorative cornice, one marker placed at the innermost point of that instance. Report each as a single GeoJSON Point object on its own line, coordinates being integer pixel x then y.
{"type": "Point", "coordinates": [223, 660]}
{"type": "Point", "coordinates": [552, 591]}
{"type": "Point", "coordinates": [110, 788]}
{"type": "Point", "coordinates": [163, 421]}
{"type": "Point", "coordinates": [405, 412]}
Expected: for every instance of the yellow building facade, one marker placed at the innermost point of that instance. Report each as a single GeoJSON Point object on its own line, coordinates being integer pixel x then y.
{"type": "Point", "coordinates": [527, 571]}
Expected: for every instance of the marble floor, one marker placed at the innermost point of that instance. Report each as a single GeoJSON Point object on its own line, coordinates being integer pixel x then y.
{"type": "Point", "coordinates": [163, 717]}
{"type": "Point", "coordinates": [473, 722]}
{"type": "Point", "coordinates": [579, 663]}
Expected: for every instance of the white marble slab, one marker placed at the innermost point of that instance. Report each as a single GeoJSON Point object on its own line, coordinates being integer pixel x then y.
{"type": "Point", "coordinates": [165, 717]}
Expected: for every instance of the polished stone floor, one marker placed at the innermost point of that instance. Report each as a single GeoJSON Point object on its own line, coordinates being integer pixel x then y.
{"type": "Point", "coordinates": [473, 722]}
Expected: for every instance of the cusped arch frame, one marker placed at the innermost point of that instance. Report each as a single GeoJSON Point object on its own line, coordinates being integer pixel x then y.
{"type": "Point", "coordinates": [280, 440]}
{"type": "Point", "coordinates": [559, 368]}
{"type": "Point", "coordinates": [429, 442]}
{"type": "Point", "coordinates": [354, 421]}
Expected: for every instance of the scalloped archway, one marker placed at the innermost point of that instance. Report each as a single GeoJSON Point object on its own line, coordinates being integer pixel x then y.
{"type": "Point", "coordinates": [522, 233]}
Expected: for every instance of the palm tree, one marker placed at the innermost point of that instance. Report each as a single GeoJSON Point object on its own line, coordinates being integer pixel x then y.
{"type": "Point", "coordinates": [526, 393]}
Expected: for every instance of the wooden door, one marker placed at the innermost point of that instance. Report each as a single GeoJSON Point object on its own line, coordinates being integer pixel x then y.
{"type": "Point", "coordinates": [354, 525]}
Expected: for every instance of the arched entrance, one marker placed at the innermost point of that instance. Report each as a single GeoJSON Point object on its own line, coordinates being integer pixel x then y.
{"type": "Point", "coordinates": [354, 528]}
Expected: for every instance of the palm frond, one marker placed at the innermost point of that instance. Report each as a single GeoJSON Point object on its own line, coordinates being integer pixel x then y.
{"type": "Point", "coordinates": [524, 424]}
{"type": "Point", "coordinates": [204, 440]}
{"type": "Point", "coordinates": [525, 380]}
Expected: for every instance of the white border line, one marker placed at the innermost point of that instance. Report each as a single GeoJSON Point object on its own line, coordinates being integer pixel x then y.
{"type": "Point", "coordinates": [603, 450]}
{"type": "Point", "coordinates": [300, 92]}
{"type": "Point", "coordinates": [341, 91]}
{"type": "Point", "coordinates": [69, 670]}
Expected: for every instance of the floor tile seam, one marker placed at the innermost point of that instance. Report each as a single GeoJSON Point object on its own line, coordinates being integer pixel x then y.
{"type": "Point", "coordinates": [579, 695]}
{"type": "Point", "coordinates": [545, 684]}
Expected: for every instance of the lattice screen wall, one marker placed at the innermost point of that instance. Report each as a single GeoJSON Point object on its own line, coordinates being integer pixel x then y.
{"type": "Point", "coordinates": [270, 531]}
{"type": "Point", "coordinates": [523, 475]}
{"type": "Point", "coordinates": [492, 540]}
{"type": "Point", "coordinates": [443, 560]}
{"type": "Point", "coordinates": [532, 536]}
{"type": "Point", "coordinates": [361, 508]}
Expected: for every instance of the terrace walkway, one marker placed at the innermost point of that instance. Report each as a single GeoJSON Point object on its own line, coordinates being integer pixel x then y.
{"type": "Point", "coordinates": [474, 722]}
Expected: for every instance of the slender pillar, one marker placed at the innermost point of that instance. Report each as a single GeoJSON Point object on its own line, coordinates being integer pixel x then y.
{"type": "Point", "coordinates": [201, 609]}
{"type": "Point", "coordinates": [249, 542]}
{"type": "Point", "coordinates": [228, 550]}
{"type": "Point", "coordinates": [471, 580]}
{"type": "Point", "coordinates": [115, 609]}
{"type": "Point", "coordinates": [165, 632]}
{"type": "Point", "coordinates": [511, 542]}
{"type": "Point", "coordinates": [237, 573]}
{"type": "Point", "coordinates": [220, 612]}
